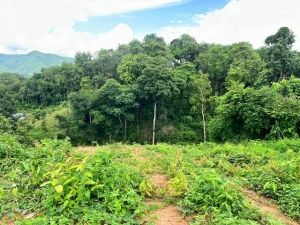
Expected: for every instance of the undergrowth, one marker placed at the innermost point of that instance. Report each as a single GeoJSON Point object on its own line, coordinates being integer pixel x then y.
{"type": "Point", "coordinates": [53, 184]}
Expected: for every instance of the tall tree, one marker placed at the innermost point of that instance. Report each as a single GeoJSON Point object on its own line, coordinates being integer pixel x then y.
{"type": "Point", "coordinates": [106, 63]}
{"type": "Point", "coordinates": [246, 66]}
{"type": "Point", "coordinates": [82, 101]}
{"type": "Point", "coordinates": [199, 98]}
{"type": "Point", "coordinates": [155, 46]}
{"type": "Point", "coordinates": [117, 101]}
{"type": "Point", "coordinates": [131, 67]}
{"type": "Point", "coordinates": [215, 62]}
{"type": "Point", "coordinates": [185, 48]}
{"type": "Point", "coordinates": [7, 103]}
{"type": "Point", "coordinates": [279, 53]}
{"type": "Point", "coordinates": [83, 62]}
{"type": "Point", "coordinates": [156, 83]}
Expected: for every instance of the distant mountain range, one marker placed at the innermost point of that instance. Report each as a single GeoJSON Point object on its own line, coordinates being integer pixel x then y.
{"type": "Point", "coordinates": [28, 64]}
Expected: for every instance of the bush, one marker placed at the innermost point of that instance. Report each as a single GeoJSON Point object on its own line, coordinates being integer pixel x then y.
{"type": "Point", "coordinates": [289, 200]}
{"type": "Point", "coordinates": [54, 150]}
{"type": "Point", "coordinates": [100, 182]}
{"type": "Point", "coordinates": [10, 147]}
{"type": "Point", "coordinates": [284, 145]}
{"type": "Point", "coordinates": [209, 191]}
{"type": "Point", "coordinates": [5, 125]}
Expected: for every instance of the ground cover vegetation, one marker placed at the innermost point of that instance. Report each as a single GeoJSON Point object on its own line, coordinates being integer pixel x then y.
{"type": "Point", "coordinates": [55, 183]}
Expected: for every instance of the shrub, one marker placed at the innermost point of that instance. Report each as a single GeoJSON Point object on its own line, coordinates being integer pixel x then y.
{"type": "Point", "coordinates": [100, 182]}
{"type": "Point", "coordinates": [209, 191]}
{"type": "Point", "coordinates": [10, 146]}
{"type": "Point", "coordinates": [289, 200]}
{"type": "Point", "coordinates": [178, 185]}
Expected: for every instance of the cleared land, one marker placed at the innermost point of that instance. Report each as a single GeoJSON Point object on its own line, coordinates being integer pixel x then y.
{"type": "Point", "coordinates": [252, 183]}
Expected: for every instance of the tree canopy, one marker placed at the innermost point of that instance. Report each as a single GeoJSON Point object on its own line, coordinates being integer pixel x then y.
{"type": "Point", "coordinates": [150, 91]}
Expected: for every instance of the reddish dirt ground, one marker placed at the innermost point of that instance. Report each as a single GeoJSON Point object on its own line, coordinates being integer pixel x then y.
{"type": "Point", "coordinates": [159, 180]}
{"type": "Point", "coordinates": [169, 215]}
{"type": "Point", "coordinates": [89, 150]}
{"type": "Point", "coordinates": [165, 215]}
{"type": "Point", "coordinates": [268, 207]}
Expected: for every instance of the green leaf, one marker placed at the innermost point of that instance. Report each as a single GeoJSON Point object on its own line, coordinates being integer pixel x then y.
{"type": "Point", "coordinates": [88, 174]}
{"type": "Point", "coordinates": [90, 182]}
{"type": "Point", "coordinates": [99, 186]}
{"type": "Point", "coordinates": [66, 203]}
{"type": "Point", "coordinates": [46, 183]}
{"type": "Point", "coordinates": [59, 188]}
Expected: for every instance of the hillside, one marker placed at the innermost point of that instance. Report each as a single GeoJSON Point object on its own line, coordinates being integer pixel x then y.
{"type": "Point", "coordinates": [27, 64]}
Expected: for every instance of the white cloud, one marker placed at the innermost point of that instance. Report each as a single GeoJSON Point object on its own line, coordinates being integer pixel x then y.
{"type": "Point", "coordinates": [242, 20]}
{"type": "Point", "coordinates": [47, 25]}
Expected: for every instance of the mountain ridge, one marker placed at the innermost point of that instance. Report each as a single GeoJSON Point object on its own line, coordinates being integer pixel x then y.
{"type": "Point", "coordinates": [30, 63]}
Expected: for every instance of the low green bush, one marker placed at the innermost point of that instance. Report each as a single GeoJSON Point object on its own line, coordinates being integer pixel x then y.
{"type": "Point", "coordinates": [94, 190]}
{"type": "Point", "coordinates": [210, 191]}
{"type": "Point", "coordinates": [10, 147]}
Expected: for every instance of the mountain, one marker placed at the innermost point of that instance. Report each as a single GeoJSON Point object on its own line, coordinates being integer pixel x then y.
{"type": "Point", "coordinates": [27, 64]}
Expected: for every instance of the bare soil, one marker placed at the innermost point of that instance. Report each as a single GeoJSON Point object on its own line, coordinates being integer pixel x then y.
{"type": "Point", "coordinates": [159, 180]}
{"type": "Point", "coordinates": [165, 215]}
{"type": "Point", "coordinates": [169, 215]}
{"type": "Point", "coordinates": [267, 206]}
{"type": "Point", "coordinates": [89, 150]}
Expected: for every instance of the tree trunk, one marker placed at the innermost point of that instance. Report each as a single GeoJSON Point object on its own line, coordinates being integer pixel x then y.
{"type": "Point", "coordinates": [154, 123]}
{"type": "Point", "coordinates": [90, 118]}
{"type": "Point", "coordinates": [281, 74]}
{"type": "Point", "coordinates": [137, 125]}
{"type": "Point", "coordinates": [203, 122]}
{"type": "Point", "coordinates": [125, 129]}
{"type": "Point", "coordinates": [203, 115]}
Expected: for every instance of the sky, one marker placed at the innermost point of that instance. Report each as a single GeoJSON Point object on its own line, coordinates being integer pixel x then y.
{"type": "Point", "coordinates": [67, 26]}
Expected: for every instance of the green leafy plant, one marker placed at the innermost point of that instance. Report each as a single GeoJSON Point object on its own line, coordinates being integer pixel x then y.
{"type": "Point", "coordinates": [178, 185]}
{"type": "Point", "coordinates": [209, 191]}
{"type": "Point", "coordinates": [146, 188]}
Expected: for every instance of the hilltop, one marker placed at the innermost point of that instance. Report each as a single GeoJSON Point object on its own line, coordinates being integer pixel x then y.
{"type": "Point", "coordinates": [28, 64]}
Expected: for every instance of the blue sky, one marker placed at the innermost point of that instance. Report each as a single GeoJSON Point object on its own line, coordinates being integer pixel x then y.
{"type": "Point", "coordinates": [68, 26]}
{"type": "Point", "coordinates": [151, 20]}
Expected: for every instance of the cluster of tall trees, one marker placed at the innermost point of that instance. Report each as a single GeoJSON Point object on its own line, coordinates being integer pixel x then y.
{"type": "Point", "coordinates": [149, 91]}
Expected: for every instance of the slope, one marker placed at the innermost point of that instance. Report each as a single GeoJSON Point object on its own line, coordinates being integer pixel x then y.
{"type": "Point", "coordinates": [28, 64]}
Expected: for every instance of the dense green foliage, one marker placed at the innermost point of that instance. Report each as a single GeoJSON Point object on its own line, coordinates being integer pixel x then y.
{"type": "Point", "coordinates": [151, 91]}
{"type": "Point", "coordinates": [30, 63]}
{"type": "Point", "coordinates": [269, 112]}
{"type": "Point", "coordinates": [67, 187]}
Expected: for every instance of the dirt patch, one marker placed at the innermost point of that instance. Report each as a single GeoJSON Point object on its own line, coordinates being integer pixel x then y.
{"type": "Point", "coordinates": [159, 180]}
{"type": "Point", "coordinates": [138, 154]}
{"type": "Point", "coordinates": [5, 221]}
{"type": "Point", "coordinates": [138, 151]}
{"type": "Point", "coordinates": [164, 215]}
{"type": "Point", "coordinates": [89, 150]}
{"type": "Point", "coordinates": [267, 206]}
{"type": "Point", "coordinates": [168, 215]}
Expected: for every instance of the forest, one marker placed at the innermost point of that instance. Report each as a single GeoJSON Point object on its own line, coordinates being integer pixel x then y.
{"type": "Point", "coordinates": [155, 133]}
{"type": "Point", "coordinates": [150, 91]}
